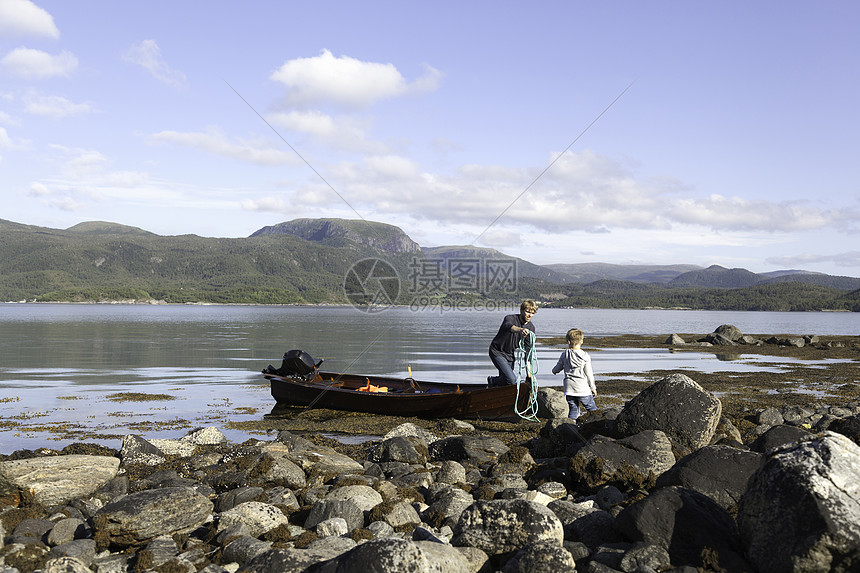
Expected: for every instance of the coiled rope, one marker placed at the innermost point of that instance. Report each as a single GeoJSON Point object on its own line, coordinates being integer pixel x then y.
{"type": "Point", "coordinates": [527, 366]}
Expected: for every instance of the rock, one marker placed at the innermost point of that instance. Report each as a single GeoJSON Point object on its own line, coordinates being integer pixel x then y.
{"type": "Point", "coordinates": [322, 459]}
{"type": "Point", "coordinates": [406, 449]}
{"type": "Point", "coordinates": [57, 479]}
{"type": "Point", "coordinates": [719, 472]}
{"type": "Point", "coordinates": [551, 404]}
{"type": "Point", "coordinates": [283, 560]}
{"type": "Point", "coordinates": [475, 449]}
{"type": "Point", "coordinates": [729, 331]}
{"type": "Point", "coordinates": [582, 522]}
{"type": "Point", "coordinates": [135, 450]}
{"type": "Point", "coordinates": [333, 526]}
{"type": "Point", "coordinates": [259, 517]}
{"type": "Point", "coordinates": [393, 555]}
{"type": "Point", "coordinates": [139, 517]}
{"type": "Point", "coordinates": [726, 432]}
{"type": "Point", "coordinates": [31, 530]}
{"type": "Point", "coordinates": [171, 447]}
{"type": "Point", "coordinates": [446, 510]}
{"type": "Point", "coordinates": [244, 549]}
{"type": "Point", "coordinates": [684, 523]}
{"type": "Point", "coordinates": [608, 497]}
{"type": "Point", "coordinates": [210, 436]}
{"type": "Point", "coordinates": [553, 489]}
{"type": "Point", "coordinates": [777, 436]}
{"type": "Point", "coordinates": [500, 527]}
{"type": "Point", "coordinates": [275, 467]}
{"type": "Point", "coordinates": [66, 565]}
{"type": "Point", "coordinates": [848, 426]}
{"type": "Point", "coordinates": [397, 514]}
{"type": "Point", "coordinates": [540, 556]}
{"type": "Point", "coordinates": [411, 430]}
{"type": "Point", "coordinates": [675, 340]}
{"type": "Point", "coordinates": [796, 415]}
{"type": "Point", "coordinates": [230, 499]}
{"type": "Point", "coordinates": [715, 339]}
{"type": "Point", "coordinates": [801, 511]}
{"type": "Point", "coordinates": [352, 503]}
{"type": "Point", "coordinates": [66, 530]}
{"type": "Point", "coordinates": [642, 555]}
{"type": "Point", "coordinates": [629, 462]}
{"type": "Point", "coordinates": [451, 472]}
{"type": "Point", "coordinates": [675, 405]}
{"type": "Point", "coordinates": [769, 417]}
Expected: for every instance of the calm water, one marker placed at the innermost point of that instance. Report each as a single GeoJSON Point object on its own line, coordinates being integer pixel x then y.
{"type": "Point", "coordinates": [60, 364]}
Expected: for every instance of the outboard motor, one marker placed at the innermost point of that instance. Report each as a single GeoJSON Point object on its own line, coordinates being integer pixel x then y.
{"type": "Point", "coordinates": [296, 364]}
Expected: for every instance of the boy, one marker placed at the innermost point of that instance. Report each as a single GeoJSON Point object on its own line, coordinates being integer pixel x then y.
{"type": "Point", "coordinates": [579, 385]}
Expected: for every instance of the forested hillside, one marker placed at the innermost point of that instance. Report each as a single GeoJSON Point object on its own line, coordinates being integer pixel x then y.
{"type": "Point", "coordinates": [312, 261]}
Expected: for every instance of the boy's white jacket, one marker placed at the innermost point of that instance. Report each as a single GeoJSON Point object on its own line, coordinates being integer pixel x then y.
{"type": "Point", "coordinates": [578, 376]}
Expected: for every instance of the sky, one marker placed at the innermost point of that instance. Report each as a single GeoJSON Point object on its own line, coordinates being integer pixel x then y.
{"type": "Point", "coordinates": [624, 132]}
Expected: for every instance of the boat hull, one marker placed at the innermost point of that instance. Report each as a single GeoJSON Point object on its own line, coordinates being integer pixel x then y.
{"type": "Point", "coordinates": [337, 391]}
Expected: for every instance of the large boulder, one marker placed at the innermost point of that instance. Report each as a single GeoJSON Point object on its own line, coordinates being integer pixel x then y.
{"type": "Point", "coordinates": [631, 462]}
{"type": "Point", "coordinates": [55, 480]}
{"type": "Point", "coordinates": [778, 436]}
{"type": "Point", "coordinates": [139, 517]}
{"type": "Point", "coordinates": [502, 526]}
{"type": "Point", "coordinates": [729, 331]}
{"type": "Point", "coordinates": [801, 511]}
{"type": "Point", "coordinates": [551, 404]}
{"type": "Point", "coordinates": [719, 472]}
{"type": "Point", "coordinates": [676, 405]}
{"type": "Point", "coordinates": [689, 525]}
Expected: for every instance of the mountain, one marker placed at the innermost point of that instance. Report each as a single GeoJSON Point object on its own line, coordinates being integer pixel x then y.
{"type": "Point", "coordinates": [590, 272]}
{"type": "Point", "coordinates": [339, 232]}
{"type": "Point", "coordinates": [716, 276]}
{"type": "Point", "coordinates": [104, 261]}
{"type": "Point", "coordinates": [105, 228]}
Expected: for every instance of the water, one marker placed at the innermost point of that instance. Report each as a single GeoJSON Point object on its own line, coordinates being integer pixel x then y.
{"type": "Point", "coordinates": [62, 365]}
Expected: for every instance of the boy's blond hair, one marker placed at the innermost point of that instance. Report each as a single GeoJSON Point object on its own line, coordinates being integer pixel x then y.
{"type": "Point", "coordinates": [574, 336]}
{"type": "Point", "coordinates": [528, 305]}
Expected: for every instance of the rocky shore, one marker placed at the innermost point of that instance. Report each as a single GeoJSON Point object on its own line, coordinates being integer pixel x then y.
{"type": "Point", "coordinates": [665, 482]}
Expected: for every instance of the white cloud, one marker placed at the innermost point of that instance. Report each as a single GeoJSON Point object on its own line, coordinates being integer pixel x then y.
{"type": "Point", "coordinates": [147, 54]}
{"type": "Point", "coordinates": [343, 133]}
{"type": "Point", "coordinates": [36, 65]}
{"type": "Point", "coordinates": [9, 143]}
{"type": "Point", "coordinates": [23, 18]}
{"type": "Point", "coordinates": [54, 106]}
{"type": "Point", "coordinates": [346, 81]}
{"type": "Point", "coordinates": [38, 189]}
{"type": "Point", "coordinates": [215, 142]}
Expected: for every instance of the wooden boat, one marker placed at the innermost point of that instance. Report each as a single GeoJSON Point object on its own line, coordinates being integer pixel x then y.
{"type": "Point", "coordinates": [399, 396]}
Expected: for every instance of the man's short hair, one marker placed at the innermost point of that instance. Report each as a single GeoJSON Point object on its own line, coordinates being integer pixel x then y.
{"type": "Point", "coordinates": [528, 305]}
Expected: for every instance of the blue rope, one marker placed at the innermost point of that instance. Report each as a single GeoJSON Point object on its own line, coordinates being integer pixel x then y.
{"type": "Point", "coordinates": [527, 362]}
